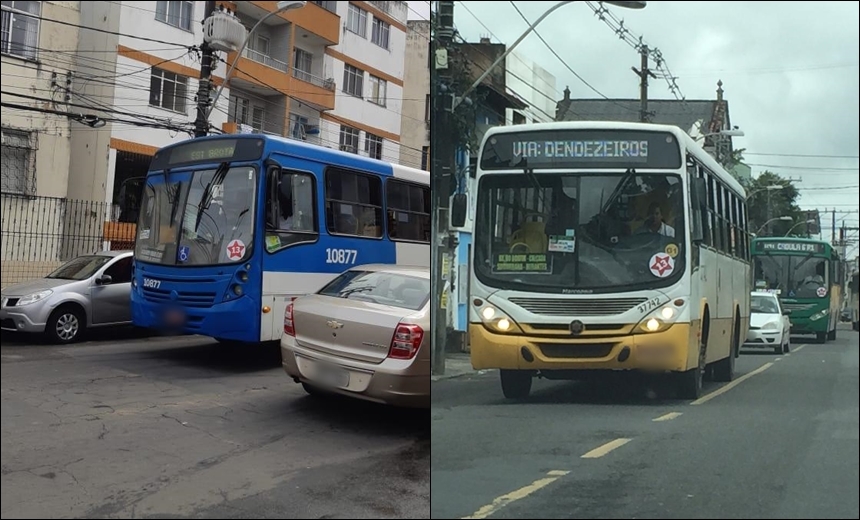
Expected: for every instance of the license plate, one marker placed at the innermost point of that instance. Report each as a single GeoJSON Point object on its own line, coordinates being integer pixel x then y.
{"type": "Point", "coordinates": [332, 376]}
{"type": "Point", "coordinates": [175, 318]}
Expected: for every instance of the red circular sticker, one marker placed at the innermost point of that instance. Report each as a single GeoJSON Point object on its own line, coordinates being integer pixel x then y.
{"type": "Point", "coordinates": [236, 250]}
{"type": "Point", "coordinates": [661, 265]}
{"type": "Point", "coordinates": [821, 292]}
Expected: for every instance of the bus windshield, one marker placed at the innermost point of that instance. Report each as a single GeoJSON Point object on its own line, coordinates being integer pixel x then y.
{"type": "Point", "coordinates": [202, 218]}
{"type": "Point", "coordinates": [793, 276]}
{"type": "Point", "coordinates": [571, 233]}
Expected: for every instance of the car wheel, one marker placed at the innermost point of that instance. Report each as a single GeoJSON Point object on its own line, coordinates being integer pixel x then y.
{"type": "Point", "coordinates": [66, 325]}
{"type": "Point", "coordinates": [787, 347]}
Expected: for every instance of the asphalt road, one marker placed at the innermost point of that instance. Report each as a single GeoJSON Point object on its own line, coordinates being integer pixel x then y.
{"type": "Point", "coordinates": [125, 426]}
{"type": "Point", "coordinates": [782, 441]}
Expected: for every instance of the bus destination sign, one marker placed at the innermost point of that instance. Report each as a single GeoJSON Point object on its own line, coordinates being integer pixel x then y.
{"type": "Point", "coordinates": [208, 151]}
{"type": "Point", "coordinates": [581, 149]}
{"type": "Point", "coordinates": [791, 247]}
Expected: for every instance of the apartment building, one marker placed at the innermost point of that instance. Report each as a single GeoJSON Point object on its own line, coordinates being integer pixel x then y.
{"type": "Point", "coordinates": [415, 119]}
{"type": "Point", "coordinates": [38, 63]}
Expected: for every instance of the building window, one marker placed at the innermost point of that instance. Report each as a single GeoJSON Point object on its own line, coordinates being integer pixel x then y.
{"type": "Point", "coordinates": [298, 127]}
{"type": "Point", "coordinates": [240, 110]}
{"type": "Point", "coordinates": [378, 88]}
{"type": "Point", "coordinates": [20, 31]}
{"type": "Point", "coordinates": [349, 139]}
{"type": "Point", "coordinates": [373, 146]}
{"type": "Point", "coordinates": [168, 90]}
{"type": "Point", "coordinates": [302, 63]}
{"type": "Point", "coordinates": [408, 211]}
{"type": "Point", "coordinates": [425, 158]}
{"type": "Point", "coordinates": [257, 119]}
{"type": "Point", "coordinates": [380, 32]}
{"type": "Point", "coordinates": [356, 21]}
{"type": "Point", "coordinates": [353, 203]}
{"type": "Point", "coordinates": [353, 80]}
{"type": "Point", "coordinates": [17, 162]}
{"type": "Point", "coordinates": [177, 14]}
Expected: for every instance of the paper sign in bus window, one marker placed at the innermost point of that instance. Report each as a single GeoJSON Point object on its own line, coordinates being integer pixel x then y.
{"type": "Point", "coordinates": [562, 244]}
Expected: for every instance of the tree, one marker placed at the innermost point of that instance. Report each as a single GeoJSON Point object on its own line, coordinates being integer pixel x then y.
{"type": "Point", "coordinates": [766, 202]}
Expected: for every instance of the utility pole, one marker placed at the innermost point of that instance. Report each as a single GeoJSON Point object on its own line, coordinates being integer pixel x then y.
{"type": "Point", "coordinates": [201, 125]}
{"type": "Point", "coordinates": [643, 74]}
{"type": "Point", "coordinates": [441, 171]}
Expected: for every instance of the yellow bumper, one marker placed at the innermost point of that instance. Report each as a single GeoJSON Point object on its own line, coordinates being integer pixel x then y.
{"type": "Point", "coordinates": [672, 349]}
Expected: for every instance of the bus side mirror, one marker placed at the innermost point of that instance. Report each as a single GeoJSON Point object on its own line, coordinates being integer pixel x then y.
{"type": "Point", "coordinates": [459, 206]}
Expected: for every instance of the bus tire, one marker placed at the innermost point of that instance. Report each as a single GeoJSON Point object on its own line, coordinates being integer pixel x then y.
{"type": "Point", "coordinates": [831, 336]}
{"type": "Point", "coordinates": [516, 384]}
{"type": "Point", "coordinates": [691, 382]}
{"type": "Point", "coordinates": [724, 369]}
{"type": "Point", "coordinates": [857, 326]}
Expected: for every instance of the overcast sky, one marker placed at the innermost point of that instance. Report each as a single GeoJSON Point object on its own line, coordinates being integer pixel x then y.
{"type": "Point", "coordinates": [789, 72]}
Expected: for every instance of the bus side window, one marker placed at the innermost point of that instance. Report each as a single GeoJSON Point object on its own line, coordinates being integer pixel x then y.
{"type": "Point", "coordinates": [291, 210]}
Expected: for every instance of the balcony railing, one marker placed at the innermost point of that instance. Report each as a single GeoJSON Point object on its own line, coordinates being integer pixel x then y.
{"type": "Point", "coordinates": [328, 6]}
{"type": "Point", "coordinates": [268, 61]}
{"type": "Point", "coordinates": [327, 84]}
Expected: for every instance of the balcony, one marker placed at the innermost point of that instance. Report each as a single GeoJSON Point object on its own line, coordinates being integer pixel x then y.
{"type": "Point", "coordinates": [314, 90]}
{"type": "Point", "coordinates": [268, 61]}
{"type": "Point", "coordinates": [313, 17]}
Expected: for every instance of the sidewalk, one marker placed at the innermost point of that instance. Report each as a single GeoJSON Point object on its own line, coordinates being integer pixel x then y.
{"type": "Point", "coordinates": [457, 364]}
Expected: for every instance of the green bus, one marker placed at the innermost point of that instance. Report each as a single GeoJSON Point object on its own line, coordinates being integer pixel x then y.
{"type": "Point", "coordinates": [806, 274]}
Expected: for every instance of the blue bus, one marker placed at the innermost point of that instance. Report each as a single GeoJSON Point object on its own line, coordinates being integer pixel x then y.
{"type": "Point", "coordinates": [232, 227]}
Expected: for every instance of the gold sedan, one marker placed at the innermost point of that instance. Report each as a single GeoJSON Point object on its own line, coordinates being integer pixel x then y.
{"type": "Point", "coordinates": [366, 335]}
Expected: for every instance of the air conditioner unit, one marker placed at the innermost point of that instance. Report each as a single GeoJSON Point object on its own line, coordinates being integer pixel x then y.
{"type": "Point", "coordinates": [329, 84]}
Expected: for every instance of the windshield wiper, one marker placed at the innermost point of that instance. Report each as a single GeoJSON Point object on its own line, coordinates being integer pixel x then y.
{"type": "Point", "coordinates": [206, 199]}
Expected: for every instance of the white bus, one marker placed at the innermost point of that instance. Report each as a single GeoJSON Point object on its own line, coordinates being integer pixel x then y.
{"type": "Point", "coordinates": [854, 299]}
{"type": "Point", "coordinates": [606, 246]}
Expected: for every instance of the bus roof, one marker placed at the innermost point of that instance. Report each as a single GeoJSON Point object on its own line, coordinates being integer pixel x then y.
{"type": "Point", "coordinates": [683, 138]}
{"type": "Point", "coordinates": [314, 152]}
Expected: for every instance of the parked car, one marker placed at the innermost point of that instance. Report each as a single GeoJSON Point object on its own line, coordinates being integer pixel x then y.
{"type": "Point", "coordinates": [769, 323]}
{"type": "Point", "coordinates": [87, 291]}
{"type": "Point", "coordinates": [364, 335]}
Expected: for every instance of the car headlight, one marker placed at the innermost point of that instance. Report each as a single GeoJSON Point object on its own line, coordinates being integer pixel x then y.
{"type": "Point", "coordinates": [820, 314]}
{"type": "Point", "coordinates": [34, 297]}
{"type": "Point", "coordinates": [497, 321]}
{"type": "Point", "coordinates": [771, 325]}
{"type": "Point", "coordinates": [661, 318]}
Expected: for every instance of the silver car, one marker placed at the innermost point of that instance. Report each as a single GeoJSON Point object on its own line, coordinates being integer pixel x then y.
{"type": "Point", "coordinates": [87, 291]}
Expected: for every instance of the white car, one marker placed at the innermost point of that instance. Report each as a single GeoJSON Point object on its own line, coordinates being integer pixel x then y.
{"type": "Point", "coordinates": [769, 323]}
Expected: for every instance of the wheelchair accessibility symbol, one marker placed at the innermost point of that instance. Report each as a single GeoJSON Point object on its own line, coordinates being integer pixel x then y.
{"type": "Point", "coordinates": [183, 254]}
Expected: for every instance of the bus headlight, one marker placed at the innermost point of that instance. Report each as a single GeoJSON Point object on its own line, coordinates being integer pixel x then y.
{"type": "Point", "coordinates": [497, 321]}
{"type": "Point", "coordinates": [660, 319]}
{"type": "Point", "coordinates": [820, 314]}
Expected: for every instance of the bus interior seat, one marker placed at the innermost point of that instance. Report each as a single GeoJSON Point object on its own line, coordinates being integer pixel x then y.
{"type": "Point", "coordinates": [532, 234]}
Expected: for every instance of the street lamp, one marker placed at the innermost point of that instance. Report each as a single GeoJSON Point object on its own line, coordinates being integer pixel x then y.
{"type": "Point", "coordinates": [627, 5]}
{"type": "Point", "coordinates": [809, 221]}
{"type": "Point", "coordinates": [768, 188]}
{"type": "Point", "coordinates": [783, 219]}
{"type": "Point", "coordinates": [282, 7]}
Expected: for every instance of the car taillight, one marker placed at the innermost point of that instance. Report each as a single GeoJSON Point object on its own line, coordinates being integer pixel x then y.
{"type": "Point", "coordinates": [406, 341]}
{"type": "Point", "coordinates": [289, 326]}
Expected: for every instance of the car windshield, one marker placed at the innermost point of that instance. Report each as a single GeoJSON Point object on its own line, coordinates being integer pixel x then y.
{"type": "Point", "coordinates": [205, 218]}
{"type": "Point", "coordinates": [764, 304]}
{"type": "Point", "coordinates": [394, 289]}
{"type": "Point", "coordinates": [579, 232]}
{"type": "Point", "coordinates": [80, 268]}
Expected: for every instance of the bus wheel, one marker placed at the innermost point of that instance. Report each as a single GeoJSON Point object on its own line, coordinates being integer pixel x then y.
{"type": "Point", "coordinates": [724, 369]}
{"type": "Point", "coordinates": [857, 326]}
{"type": "Point", "coordinates": [831, 336]}
{"type": "Point", "coordinates": [691, 382]}
{"type": "Point", "coordinates": [516, 384]}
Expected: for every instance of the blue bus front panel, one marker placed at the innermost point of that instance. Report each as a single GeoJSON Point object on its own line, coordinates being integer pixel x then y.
{"type": "Point", "coordinates": [221, 302]}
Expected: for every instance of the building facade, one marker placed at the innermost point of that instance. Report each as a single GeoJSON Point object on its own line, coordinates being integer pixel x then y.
{"type": "Point", "coordinates": [39, 60]}
{"type": "Point", "coordinates": [415, 119]}
{"type": "Point", "coordinates": [534, 85]}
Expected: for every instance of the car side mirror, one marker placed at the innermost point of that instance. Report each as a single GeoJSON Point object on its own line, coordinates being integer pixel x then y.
{"type": "Point", "coordinates": [786, 312]}
{"type": "Point", "coordinates": [104, 279]}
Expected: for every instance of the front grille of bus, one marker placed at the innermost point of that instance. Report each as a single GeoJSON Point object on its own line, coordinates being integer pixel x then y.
{"type": "Point", "coordinates": [187, 298]}
{"type": "Point", "coordinates": [590, 307]}
{"type": "Point", "coordinates": [575, 350]}
{"type": "Point", "coordinates": [798, 306]}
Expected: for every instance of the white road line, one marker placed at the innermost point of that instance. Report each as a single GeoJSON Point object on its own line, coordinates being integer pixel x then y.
{"type": "Point", "coordinates": [606, 448]}
{"type": "Point", "coordinates": [736, 382]}
{"type": "Point", "coordinates": [668, 417]}
{"type": "Point", "coordinates": [798, 349]}
{"type": "Point", "coordinates": [521, 493]}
